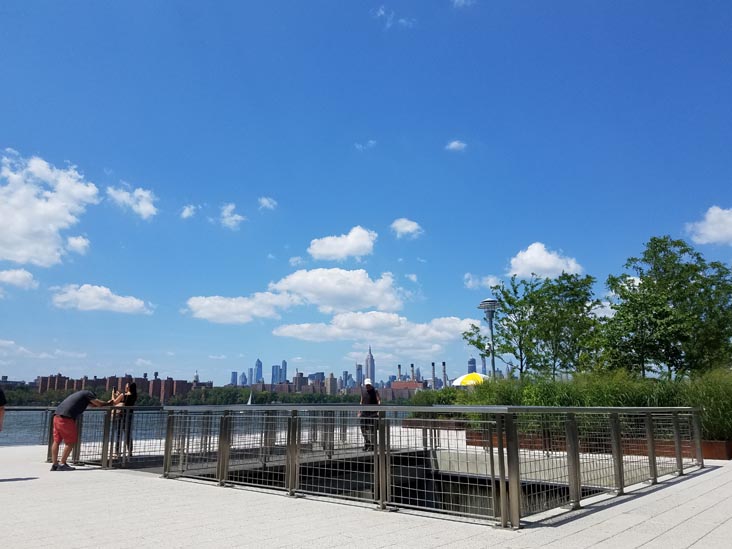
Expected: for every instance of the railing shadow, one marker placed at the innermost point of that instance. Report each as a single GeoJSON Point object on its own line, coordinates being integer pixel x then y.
{"type": "Point", "coordinates": [561, 517]}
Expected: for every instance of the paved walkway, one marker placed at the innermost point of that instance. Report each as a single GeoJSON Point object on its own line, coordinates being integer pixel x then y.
{"type": "Point", "coordinates": [91, 507]}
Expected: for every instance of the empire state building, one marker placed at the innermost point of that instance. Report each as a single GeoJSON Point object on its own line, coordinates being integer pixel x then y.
{"type": "Point", "coordinates": [370, 367]}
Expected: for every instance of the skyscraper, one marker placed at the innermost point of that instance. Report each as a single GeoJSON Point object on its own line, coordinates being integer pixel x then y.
{"type": "Point", "coordinates": [252, 381]}
{"type": "Point", "coordinates": [471, 365]}
{"type": "Point", "coordinates": [359, 375]}
{"type": "Point", "coordinates": [258, 377]}
{"type": "Point", "coordinates": [275, 374]}
{"type": "Point", "coordinates": [234, 376]}
{"type": "Point", "coordinates": [243, 379]}
{"type": "Point", "coordinates": [283, 372]}
{"type": "Point", "coordinates": [370, 366]}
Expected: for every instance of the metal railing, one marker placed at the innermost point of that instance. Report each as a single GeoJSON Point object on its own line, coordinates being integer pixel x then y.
{"type": "Point", "coordinates": [25, 425]}
{"type": "Point", "coordinates": [494, 463]}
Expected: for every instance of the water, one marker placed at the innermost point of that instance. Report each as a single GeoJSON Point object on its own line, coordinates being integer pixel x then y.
{"type": "Point", "coordinates": [25, 427]}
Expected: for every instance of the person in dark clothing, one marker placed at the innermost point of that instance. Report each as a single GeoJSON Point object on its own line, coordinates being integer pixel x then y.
{"type": "Point", "coordinates": [123, 418]}
{"type": "Point", "coordinates": [3, 402]}
{"type": "Point", "coordinates": [64, 425]}
{"type": "Point", "coordinates": [369, 396]}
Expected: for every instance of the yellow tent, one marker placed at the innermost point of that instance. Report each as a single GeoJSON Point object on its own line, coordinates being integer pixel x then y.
{"type": "Point", "coordinates": [473, 378]}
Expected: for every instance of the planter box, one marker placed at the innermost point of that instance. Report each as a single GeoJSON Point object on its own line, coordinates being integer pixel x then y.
{"type": "Point", "coordinates": [441, 424]}
{"type": "Point", "coordinates": [717, 449]}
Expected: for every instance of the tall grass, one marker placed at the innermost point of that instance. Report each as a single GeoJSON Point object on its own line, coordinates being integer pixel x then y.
{"type": "Point", "coordinates": [710, 392]}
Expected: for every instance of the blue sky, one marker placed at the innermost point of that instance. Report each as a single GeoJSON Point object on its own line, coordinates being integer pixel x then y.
{"type": "Point", "coordinates": [192, 186]}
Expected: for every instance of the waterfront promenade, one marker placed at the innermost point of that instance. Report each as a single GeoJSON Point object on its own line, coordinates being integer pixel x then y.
{"type": "Point", "coordinates": [90, 507]}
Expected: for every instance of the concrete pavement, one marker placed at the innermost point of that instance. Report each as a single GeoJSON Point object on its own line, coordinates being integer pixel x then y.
{"type": "Point", "coordinates": [91, 507]}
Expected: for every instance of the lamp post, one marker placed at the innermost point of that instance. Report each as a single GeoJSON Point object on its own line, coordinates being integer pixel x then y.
{"type": "Point", "coordinates": [489, 306]}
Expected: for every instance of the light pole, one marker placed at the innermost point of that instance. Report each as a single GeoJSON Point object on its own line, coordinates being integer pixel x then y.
{"type": "Point", "coordinates": [489, 306]}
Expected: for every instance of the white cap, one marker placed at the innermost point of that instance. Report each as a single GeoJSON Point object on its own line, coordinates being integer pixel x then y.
{"type": "Point", "coordinates": [367, 381]}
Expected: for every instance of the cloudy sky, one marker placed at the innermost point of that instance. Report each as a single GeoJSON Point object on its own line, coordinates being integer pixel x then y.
{"type": "Point", "coordinates": [192, 186]}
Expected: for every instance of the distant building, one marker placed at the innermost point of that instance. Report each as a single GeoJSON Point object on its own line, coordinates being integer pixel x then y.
{"type": "Point", "coordinates": [252, 380]}
{"type": "Point", "coordinates": [258, 376]}
{"type": "Point", "coordinates": [275, 374]}
{"type": "Point", "coordinates": [243, 380]}
{"type": "Point", "coordinates": [283, 372]}
{"type": "Point", "coordinates": [331, 385]}
{"type": "Point", "coordinates": [370, 366]}
{"type": "Point", "coordinates": [359, 375]}
{"type": "Point", "coordinates": [234, 378]}
{"type": "Point", "coordinates": [471, 365]}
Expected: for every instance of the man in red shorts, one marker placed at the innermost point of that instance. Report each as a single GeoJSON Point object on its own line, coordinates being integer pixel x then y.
{"type": "Point", "coordinates": [64, 425]}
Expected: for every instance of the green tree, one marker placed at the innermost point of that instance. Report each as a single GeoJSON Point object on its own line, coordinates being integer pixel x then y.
{"type": "Point", "coordinates": [564, 323]}
{"type": "Point", "coordinates": [675, 311]}
{"type": "Point", "coordinates": [513, 325]}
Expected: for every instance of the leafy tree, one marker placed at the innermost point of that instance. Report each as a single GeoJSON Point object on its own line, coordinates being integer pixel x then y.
{"type": "Point", "coordinates": [675, 311]}
{"type": "Point", "coordinates": [564, 323]}
{"type": "Point", "coordinates": [513, 325]}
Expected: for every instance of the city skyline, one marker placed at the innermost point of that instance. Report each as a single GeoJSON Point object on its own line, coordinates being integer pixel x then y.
{"type": "Point", "coordinates": [189, 189]}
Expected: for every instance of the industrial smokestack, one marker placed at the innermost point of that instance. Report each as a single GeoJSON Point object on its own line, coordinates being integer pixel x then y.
{"type": "Point", "coordinates": [413, 378]}
{"type": "Point", "coordinates": [444, 375]}
{"type": "Point", "coordinates": [399, 372]}
{"type": "Point", "coordinates": [434, 379]}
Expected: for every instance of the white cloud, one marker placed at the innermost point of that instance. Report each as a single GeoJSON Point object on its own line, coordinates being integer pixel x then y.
{"type": "Point", "coordinates": [140, 201]}
{"type": "Point", "coordinates": [412, 277]}
{"type": "Point", "coordinates": [267, 203]}
{"type": "Point", "coordinates": [331, 290]}
{"type": "Point", "coordinates": [456, 146]}
{"type": "Point", "coordinates": [387, 331]}
{"type": "Point", "coordinates": [536, 259]}
{"type": "Point", "coordinates": [406, 227]}
{"type": "Point", "coordinates": [462, 3]}
{"type": "Point", "coordinates": [296, 261]}
{"type": "Point", "coordinates": [68, 354]}
{"type": "Point", "coordinates": [337, 290]}
{"type": "Point", "coordinates": [357, 243]}
{"type": "Point", "coordinates": [389, 17]}
{"type": "Point", "coordinates": [229, 219]}
{"type": "Point", "coordinates": [37, 203]}
{"type": "Point", "coordinates": [188, 211]}
{"type": "Point", "coordinates": [143, 362]}
{"type": "Point", "coordinates": [604, 310]}
{"type": "Point", "coordinates": [217, 357]}
{"type": "Point", "coordinates": [473, 282]}
{"type": "Point", "coordinates": [715, 228]}
{"type": "Point", "coordinates": [18, 277]}
{"type": "Point", "coordinates": [370, 144]}
{"type": "Point", "coordinates": [240, 310]}
{"type": "Point", "coordinates": [77, 244]}
{"type": "Point", "coordinates": [97, 298]}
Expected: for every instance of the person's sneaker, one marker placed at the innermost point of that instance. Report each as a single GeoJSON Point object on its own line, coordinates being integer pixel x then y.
{"type": "Point", "coordinates": [54, 467]}
{"type": "Point", "coordinates": [65, 467]}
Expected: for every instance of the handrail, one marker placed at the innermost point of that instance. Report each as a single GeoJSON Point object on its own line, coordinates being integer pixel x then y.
{"type": "Point", "coordinates": [433, 409]}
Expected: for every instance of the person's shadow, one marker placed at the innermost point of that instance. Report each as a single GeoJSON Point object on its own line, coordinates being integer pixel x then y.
{"type": "Point", "coordinates": [17, 479]}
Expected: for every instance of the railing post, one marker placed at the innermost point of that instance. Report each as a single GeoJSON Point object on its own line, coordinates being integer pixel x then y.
{"type": "Point", "coordinates": [76, 452]}
{"type": "Point", "coordinates": [50, 438]}
{"type": "Point", "coordinates": [573, 461]}
{"type": "Point", "coordinates": [491, 457]}
{"type": "Point", "coordinates": [677, 443]}
{"type": "Point", "coordinates": [502, 472]}
{"type": "Point", "coordinates": [106, 438]}
{"type": "Point", "coordinates": [224, 448]}
{"type": "Point", "coordinates": [168, 452]}
{"type": "Point", "coordinates": [381, 460]}
{"type": "Point", "coordinates": [291, 463]}
{"type": "Point", "coordinates": [617, 445]}
{"type": "Point", "coordinates": [651, 441]}
{"type": "Point", "coordinates": [514, 473]}
{"type": "Point", "coordinates": [329, 420]}
{"type": "Point", "coordinates": [696, 421]}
